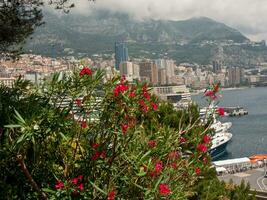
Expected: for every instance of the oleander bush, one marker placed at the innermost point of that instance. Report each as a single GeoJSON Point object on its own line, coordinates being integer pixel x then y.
{"type": "Point", "coordinates": [80, 137]}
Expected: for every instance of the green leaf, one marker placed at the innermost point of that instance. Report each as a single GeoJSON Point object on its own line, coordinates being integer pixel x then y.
{"type": "Point", "coordinates": [49, 190]}
{"type": "Point", "coordinates": [142, 173]}
{"type": "Point", "coordinates": [21, 138]}
{"type": "Point", "coordinates": [63, 136]}
{"type": "Point", "coordinates": [12, 126]}
{"type": "Point", "coordinates": [145, 155]}
{"type": "Point", "coordinates": [19, 118]}
{"type": "Point", "coordinates": [99, 189]}
{"type": "Point", "coordinates": [157, 184]}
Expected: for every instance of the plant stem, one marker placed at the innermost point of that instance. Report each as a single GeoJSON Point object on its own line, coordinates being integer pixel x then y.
{"type": "Point", "coordinates": [20, 160]}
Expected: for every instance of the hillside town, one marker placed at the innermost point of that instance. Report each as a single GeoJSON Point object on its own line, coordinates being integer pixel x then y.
{"type": "Point", "coordinates": [157, 72]}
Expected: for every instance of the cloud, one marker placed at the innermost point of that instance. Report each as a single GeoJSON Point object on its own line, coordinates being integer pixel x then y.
{"type": "Point", "coordinates": [248, 16]}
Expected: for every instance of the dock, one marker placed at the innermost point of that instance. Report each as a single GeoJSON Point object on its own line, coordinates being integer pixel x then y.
{"type": "Point", "coordinates": [250, 169]}
{"type": "Point", "coordinates": [235, 111]}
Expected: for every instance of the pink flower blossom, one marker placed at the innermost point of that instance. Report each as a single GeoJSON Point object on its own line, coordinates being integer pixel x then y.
{"type": "Point", "coordinates": [132, 94]}
{"type": "Point", "coordinates": [75, 181]}
{"type": "Point", "coordinates": [124, 128]}
{"type": "Point", "coordinates": [59, 185]}
{"type": "Point", "coordinates": [198, 171]}
{"type": "Point", "coordinates": [158, 167]}
{"type": "Point", "coordinates": [81, 186]}
{"type": "Point", "coordinates": [83, 124]}
{"type": "Point", "coordinates": [202, 148]}
{"type": "Point", "coordinates": [164, 189]}
{"type": "Point", "coordinates": [173, 155]}
{"type": "Point", "coordinates": [86, 71]}
{"type": "Point", "coordinates": [103, 154]}
{"type": "Point", "coordinates": [220, 111]}
{"type": "Point", "coordinates": [95, 146]}
{"type": "Point", "coordinates": [206, 139]}
{"type": "Point", "coordinates": [95, 156]}
{"type": "Point", "coordinates": [182, 140]}
{"type": "Point", "coordinates": [152, 143]}
{"type": "Point", "coordinates": [111, 195]}
{"type": "Point", "coordinates": [154, 106]}
{"type": "Point", "coordinates": [120, 88]}
{"type": "Point", "coordinates": [78, 102]}
{"type": "Point", "coordinates": [210, 94]}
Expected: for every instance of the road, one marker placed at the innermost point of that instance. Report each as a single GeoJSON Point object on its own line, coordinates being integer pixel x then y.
{"type": "Point", "coordinates": [254, 177]}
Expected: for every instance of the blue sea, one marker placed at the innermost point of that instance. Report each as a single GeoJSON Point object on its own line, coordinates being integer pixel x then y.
{"type": "Point", "coordinates": [250, 131]}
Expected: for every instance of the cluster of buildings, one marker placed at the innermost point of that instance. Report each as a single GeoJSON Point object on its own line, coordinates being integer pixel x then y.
{"type": "Point", "coordinates": [30, 67]}
{"type": "Point", "coordinates": [163, 73]}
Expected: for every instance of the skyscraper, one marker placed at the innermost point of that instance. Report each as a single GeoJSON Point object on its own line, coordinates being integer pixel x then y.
{"type": "Point", "coordinates": [121, 53]}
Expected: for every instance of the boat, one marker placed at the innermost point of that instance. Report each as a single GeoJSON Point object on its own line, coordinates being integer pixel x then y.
{"type": "Point", "coordinates": [219, 144]}
{"type": "Point", "coordinates": [220, 138]}
{"type": "Point", "coordinates": [221, 127]}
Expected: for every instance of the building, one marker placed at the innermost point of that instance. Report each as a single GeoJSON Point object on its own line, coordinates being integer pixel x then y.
{"type": "Point", "coordinates": [235, 76]}
{"type": "Point", "coordinates": [149, 71]}
{"type": "Point", "coordinates": [126, 69]}
{"type": "Point", "coordinates": [216, 66]}
{"type": "Point", "coordinates": [162, 77]}
{"type": "Point", "coordinates": [7, 81]}
{"type": "Point", "coordinates": [169, 66]}
{"type": "Point", "coordinates": [121, 53]}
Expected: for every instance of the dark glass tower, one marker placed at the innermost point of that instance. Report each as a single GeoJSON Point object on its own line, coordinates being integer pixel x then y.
{"type": "Point", "coordinates": [121, 53]}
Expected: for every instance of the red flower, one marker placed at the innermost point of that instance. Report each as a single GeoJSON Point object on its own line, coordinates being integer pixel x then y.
{"type": "Point", "coordinates": [202, 148]}
{"type": "Point", "coordinates": [158, 167]}
{"type": "Point", "coordinates": [146, 95]}
{"type": "Point", "coordinates": [111, 195]}
{"type": "Point", "coordinates": [120, 88]}
{"type": "Point", "coordinates": [145, 108]}
{"type": "Point", "coordinates": [198, 171]}
{"type": "Point", "coordinates": [95, 156]}
{"type": "Point", "coordinates": [103, 154]}
{"type": "Point", "coordinates": [210, 94]}
{"type": "Point", "coordinates": [173, 155]}
{"type": "Point", "coordinates": [79, 102]}
{"type": "Point", "coordinates": [80, 177]}
{"type": "Point", "coordinates": [205, 160]}
{"type": "Point", "coordinates": [124, 128]}
{"type": "Point", "coordinates": [59, 185]}
{"type": "Point", "coordinates": [81, 186]}
{"type": "Point", "coordinates": [174, 165]}
{"type": "Point", "coordinates": [144, 88]}
{"type": "Point", "coordinates": [220, 111]}
{"type": "Point", "coordinates": [154, 106]}
{"type": "Point", "coordinates": [75, 181]}
{"type": "Point", "coordinates": [86, 71]}
{"type": "Point", "coordinates": [206, 139]}
{"type": "Point", "coordinates": [94, 146]}
{"type": "Point", "coordinates": [216, 88]}
{"type": "Point", "coordinates": [152, 143]}
{"type": "Point", "coordinates": [182, 140]}
{"type": "Point", "coordinates": [142, 103]}
{"type": "Point", "coordinates": [164, 189]}
{"type": "Point", "coordinates": [83, 124]}
{"type": "Point", "coordinates": [132, 94]}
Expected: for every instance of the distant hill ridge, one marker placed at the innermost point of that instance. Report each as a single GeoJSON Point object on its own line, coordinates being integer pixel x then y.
{"type": "Point", "coordinates": [97, 33]}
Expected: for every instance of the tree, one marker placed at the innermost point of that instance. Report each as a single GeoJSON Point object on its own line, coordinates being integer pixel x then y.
{"type": "Point", "coordinates": [19, 19]}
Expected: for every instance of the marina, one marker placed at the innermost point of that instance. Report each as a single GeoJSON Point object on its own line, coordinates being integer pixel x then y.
{"type": "Point", "coordinates": [249, 133]}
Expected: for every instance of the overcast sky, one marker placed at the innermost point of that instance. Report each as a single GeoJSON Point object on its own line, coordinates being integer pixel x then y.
{"type": "Point", "coordinates": [248, 16]}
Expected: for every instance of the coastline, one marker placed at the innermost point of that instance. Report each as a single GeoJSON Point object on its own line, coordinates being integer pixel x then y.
{"type": "Point", "coordinates": [197, 92]}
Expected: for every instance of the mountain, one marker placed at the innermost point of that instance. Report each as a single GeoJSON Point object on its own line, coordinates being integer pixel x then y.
{"type": "Point", "coordinates": [73, 34]}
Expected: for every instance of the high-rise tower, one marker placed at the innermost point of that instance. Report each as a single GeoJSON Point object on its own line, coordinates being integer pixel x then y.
{"type": "Point", "coordinates": [121, 53]}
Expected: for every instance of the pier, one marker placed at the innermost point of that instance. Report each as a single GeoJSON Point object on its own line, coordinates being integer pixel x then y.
{"type": "Point", "coordinates": [235, 111]}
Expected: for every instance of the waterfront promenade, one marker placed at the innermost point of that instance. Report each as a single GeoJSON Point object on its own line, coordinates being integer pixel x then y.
{"type": "Point", "coordinates": [254, 177]}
